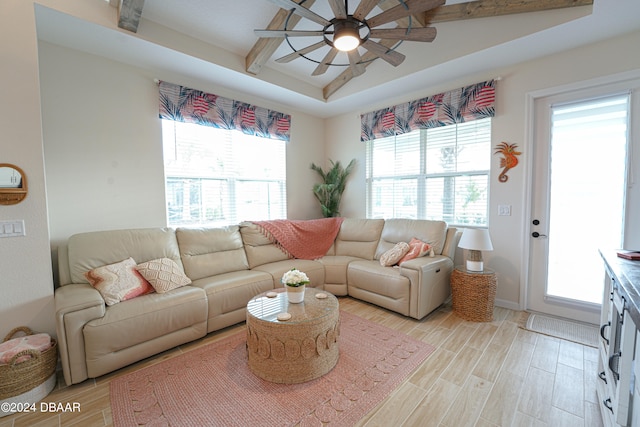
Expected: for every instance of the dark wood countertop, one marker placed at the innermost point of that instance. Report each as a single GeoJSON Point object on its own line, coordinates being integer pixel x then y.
{"type": "Point", "coordinates": [627, 273]}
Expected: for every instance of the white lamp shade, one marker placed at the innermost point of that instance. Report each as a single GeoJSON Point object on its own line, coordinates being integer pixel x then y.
{"type": "Point", "coordinates": [477, 239]}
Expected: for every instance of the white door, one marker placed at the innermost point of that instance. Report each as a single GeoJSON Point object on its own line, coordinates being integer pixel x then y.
{"type": "Point", "coordinates": [578, 194]}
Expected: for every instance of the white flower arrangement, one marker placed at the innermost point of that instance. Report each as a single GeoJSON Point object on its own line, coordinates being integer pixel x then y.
{"type": "Point", "coordinates": [295, 278]}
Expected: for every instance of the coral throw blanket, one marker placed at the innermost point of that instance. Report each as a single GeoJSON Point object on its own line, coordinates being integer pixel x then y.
{"type": "Point", "coordinates": [304, 239]}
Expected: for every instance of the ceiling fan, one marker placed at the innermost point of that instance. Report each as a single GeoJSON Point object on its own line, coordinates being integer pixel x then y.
{"type": "Point", "coordinates": [346, 32]}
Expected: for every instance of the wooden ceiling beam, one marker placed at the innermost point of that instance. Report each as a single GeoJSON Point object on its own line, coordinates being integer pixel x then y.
{"type": "Point", "coordinates": [129, 13]}
{"type": "Point", "coordinates": [470, 10]}
{"type": "Point", "coordinates": [265, 47]}
{"type": "Point", "coordinates": [489, 8]}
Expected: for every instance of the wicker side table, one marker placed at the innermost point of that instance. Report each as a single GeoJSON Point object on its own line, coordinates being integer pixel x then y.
{"type": "Point", "coordinates": [473, 293]}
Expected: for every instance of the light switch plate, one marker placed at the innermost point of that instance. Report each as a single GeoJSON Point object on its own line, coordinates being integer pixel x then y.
{"type": "Point", "coordinates": [14, 228]}
{"type": "Point", "coordinates": [504, 210]}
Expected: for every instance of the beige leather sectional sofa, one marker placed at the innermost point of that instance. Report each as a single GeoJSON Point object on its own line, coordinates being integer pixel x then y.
{"type": "Point", "coordinates": [228, 266]}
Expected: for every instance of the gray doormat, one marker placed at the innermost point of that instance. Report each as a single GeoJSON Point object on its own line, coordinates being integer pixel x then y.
{"type": "Point", "coordinates": [581, 333]}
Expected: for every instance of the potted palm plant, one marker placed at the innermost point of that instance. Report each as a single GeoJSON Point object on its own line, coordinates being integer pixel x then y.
{"type": "Point", "coordinates": [329, 192]}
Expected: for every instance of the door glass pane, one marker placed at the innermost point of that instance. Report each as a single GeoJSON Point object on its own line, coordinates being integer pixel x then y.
{"type": "Point", "coordinates": [587, 185]}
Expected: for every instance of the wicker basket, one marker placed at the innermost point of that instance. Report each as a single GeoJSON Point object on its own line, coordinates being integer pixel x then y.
{"type": "Point", "coordinates": [473, 295]}
{"type": "Point", "coordinates": [18, 378]}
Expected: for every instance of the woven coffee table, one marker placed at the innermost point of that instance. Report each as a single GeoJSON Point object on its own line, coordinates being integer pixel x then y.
{"type": "Point", "coordinates": [296, 350]}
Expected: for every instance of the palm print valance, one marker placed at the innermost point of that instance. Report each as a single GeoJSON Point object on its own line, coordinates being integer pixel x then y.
{"type": "Point", "coordinates": [457, 106]}
{"type": "Point", "coordinates": [193, 106]}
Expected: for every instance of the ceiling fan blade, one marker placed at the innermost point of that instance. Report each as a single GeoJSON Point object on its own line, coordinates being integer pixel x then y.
{"type": "Point", "coordinates": [324, 66]}
{"type": "Point", "coordinates": [337, 6]}
{"type": "Point", "coordinates": [425, 34]}
{"type": "Point", "coordinates": [354, 60]}
{"type": "Point", "coordinates": [302, 11]}
{"type": "Point", "coordinates": [289, 33]}
{"type": "Point", "coordinates": [364, 8]}
{"type": "Point", "coordinates": [294, 55]}
{"type": "Point", "coordinates": [391, 56]}
{"type": "Point", "coordinates": [399, 11]}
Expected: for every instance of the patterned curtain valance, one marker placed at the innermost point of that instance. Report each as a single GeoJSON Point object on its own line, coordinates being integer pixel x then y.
{"type": "Point", "coordinates": [457, 106]}
{"type": "Point", "coordinates": [193, 106]}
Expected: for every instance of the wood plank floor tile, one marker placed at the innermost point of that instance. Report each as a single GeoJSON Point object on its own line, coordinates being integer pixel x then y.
{"type": "Point", "coordinates": [545, 356]}
{"type": "Point", "coordinates": [468, 405]}
{"type": "Point", "coordinates": [484, 374]}
{"type": "Point", "coordinates": [535, 399]}
{"type": "Point", "coordinates": [462, 365]}
{"type": "Point", "coordinates": [503, 400]}
{"type": "Point", "coordinates": [568, 390]}
{"type": "Point", "coordinates": [490, 363]}
{"type": "Point", "coordinates": [434, 405]}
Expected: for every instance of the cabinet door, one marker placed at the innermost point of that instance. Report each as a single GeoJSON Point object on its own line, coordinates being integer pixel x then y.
{"type": "Point", "coordinates": [605, 314]}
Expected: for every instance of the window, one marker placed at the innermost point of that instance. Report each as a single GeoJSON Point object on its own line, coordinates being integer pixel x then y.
{"type": "Point", "coordinates": [219, 177]}
{"type": "Point", "coordinates": [439, 173]}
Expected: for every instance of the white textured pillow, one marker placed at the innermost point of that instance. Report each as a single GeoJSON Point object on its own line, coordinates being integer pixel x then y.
{"type": "Point", "coordinates": [118, 282]}
{"type": "Point", "coordinates": [163, 274]}
{"type": "Point", "coordinates": [393, 255]}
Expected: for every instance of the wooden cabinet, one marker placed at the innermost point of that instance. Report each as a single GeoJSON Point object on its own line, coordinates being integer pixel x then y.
{"type": "Point", "coordinates": [617, 353]}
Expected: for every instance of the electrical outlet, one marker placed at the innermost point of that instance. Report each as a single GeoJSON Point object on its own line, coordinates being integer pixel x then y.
{"type": "Point", "coordinates": [504, 210]}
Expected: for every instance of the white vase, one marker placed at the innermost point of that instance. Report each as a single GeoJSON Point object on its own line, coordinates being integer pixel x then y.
{"type": "Point", "coordinates": [295, 294]}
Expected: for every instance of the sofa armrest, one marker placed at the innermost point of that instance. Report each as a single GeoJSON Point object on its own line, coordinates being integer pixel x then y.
{"type": "Point", "coordinates": [76, 305]}
{"type": "Point", "coordinates": [429, 281]}
{"type": "Point", "coordinates": [451, 242]}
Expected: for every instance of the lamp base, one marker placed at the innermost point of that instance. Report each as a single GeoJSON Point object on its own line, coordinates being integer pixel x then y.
{"type": "Point", "coordinates": [475, 265]}
{"type": "Point", "coordinates": [474, 261]}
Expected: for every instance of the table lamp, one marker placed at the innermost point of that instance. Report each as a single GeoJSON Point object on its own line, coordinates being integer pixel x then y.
{"type": "Point", "coordinates": [476, 240]}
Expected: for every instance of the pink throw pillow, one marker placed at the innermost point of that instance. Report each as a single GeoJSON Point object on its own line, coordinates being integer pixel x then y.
{"type": "Point", "coordinates": [417, 248]}
{"type": "Point", "coordinates": [118, 282]}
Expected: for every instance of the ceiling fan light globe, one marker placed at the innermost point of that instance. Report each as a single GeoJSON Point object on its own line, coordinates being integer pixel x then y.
{"type": "Point", "coordinates": [346, 43]}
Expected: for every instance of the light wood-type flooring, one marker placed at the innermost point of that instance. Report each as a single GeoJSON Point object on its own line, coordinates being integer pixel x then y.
{"type": "Point", "coordinates": [481, 374]}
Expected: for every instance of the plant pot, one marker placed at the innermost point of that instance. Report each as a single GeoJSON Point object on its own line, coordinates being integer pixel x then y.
{"type": "Point", "coordinates": [295, 294]}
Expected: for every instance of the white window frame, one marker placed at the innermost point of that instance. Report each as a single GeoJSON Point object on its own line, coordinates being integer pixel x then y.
{"type": "Point", "coordinates": [422, 173]}
{"type": "Point", "coordinates": [235, 168]}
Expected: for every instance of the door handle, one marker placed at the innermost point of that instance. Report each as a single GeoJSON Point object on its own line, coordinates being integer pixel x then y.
{"type": "Point", "coordinates": [536, 234]}
{"type": "Point", "coordinates": [602, 332]}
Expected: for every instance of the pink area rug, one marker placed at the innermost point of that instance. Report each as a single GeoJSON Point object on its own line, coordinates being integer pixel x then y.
{"type": "Point", "coordinates": [213, 386]}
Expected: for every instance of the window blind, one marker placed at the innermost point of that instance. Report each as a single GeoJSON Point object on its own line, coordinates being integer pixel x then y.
{"type": "Point", "coordinates": [220, 177]}
{"type": "Point", "coordinates": [439, 174]}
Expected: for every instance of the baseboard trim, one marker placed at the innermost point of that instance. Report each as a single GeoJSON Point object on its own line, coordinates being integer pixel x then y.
{"type": "Point", "coordinates": [508, 304]}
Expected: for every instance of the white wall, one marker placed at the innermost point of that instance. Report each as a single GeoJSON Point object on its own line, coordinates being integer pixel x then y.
{"type": "Point", "coordinates": [103, 145]}
{"type": "Point", "coordinates": [26, 291]}
{"type": "Point", "coordinates": [510, 234]}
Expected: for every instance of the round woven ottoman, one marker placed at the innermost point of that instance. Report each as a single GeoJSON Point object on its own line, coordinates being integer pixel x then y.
{"type": "Point", "coordinates": [292, 343]}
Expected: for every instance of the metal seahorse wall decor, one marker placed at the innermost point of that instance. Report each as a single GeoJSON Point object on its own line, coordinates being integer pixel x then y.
{"type": "Point", "coordinates": [510, 159]}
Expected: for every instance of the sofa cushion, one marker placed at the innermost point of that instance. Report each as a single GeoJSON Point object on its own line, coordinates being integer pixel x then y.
{"type": "Point", "coordinates": [163, 274]}
{"type": "Point", "coordinates": [259, 249]}
{"type": "Point", "coordinates": [135, 323]}
{"type": "Point", "coordinates": [394, 255]}
{"type": "Point", "coordinates": [313, 269]}
{"type": "Point", "coordinates": [358, 238]}
{"type": "Point", "coordinates": [370, 278]}
{"type": "Point", "coordinates": [230, 292]}
{"type": "Point", "coordinates": [403, 230]}
{"type": "Point", "coordinates": [119, 281]}
{"type": "Point", "coordinates": [86, 251]}
{"type": "Point", "coordinates": [209, 251]}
